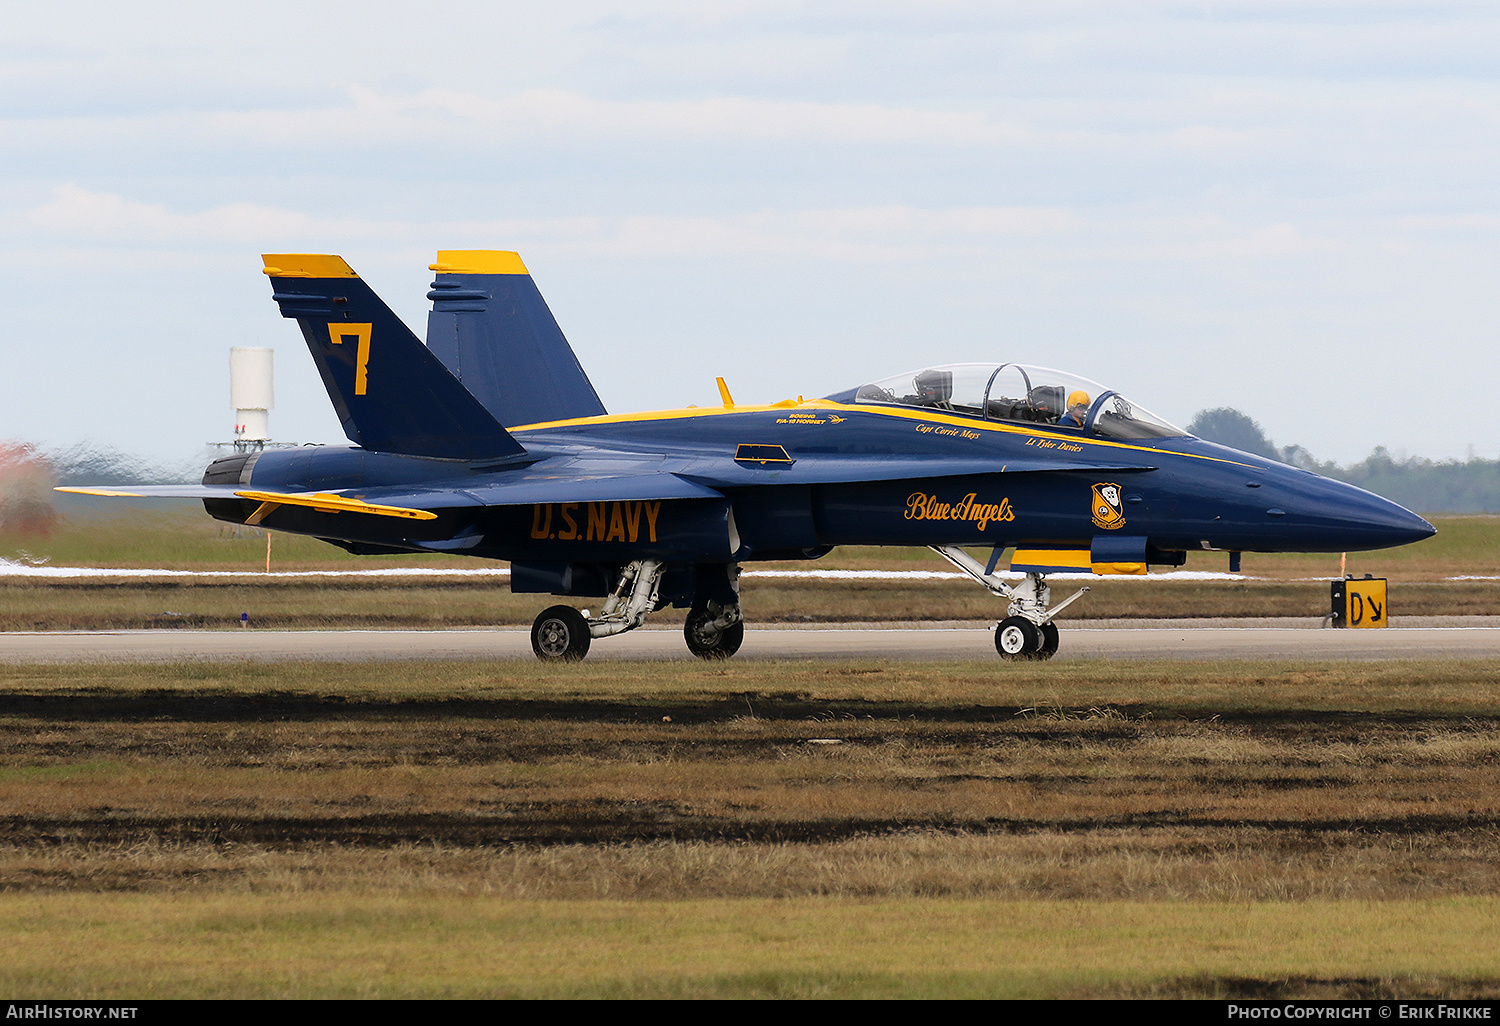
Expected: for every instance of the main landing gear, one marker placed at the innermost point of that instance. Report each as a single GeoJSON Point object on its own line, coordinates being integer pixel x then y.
{"type": "Point", "coordinates": [714, 635]}
{"type": "Point", "coordinates": [560, 633]}
{"type": "Point", "coordinates": [1028, 631]}
{"type": "Point", "coordinates": [714, 630]}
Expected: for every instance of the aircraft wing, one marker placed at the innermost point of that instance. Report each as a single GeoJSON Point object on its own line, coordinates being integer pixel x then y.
{"type": "Point", "coordinates": [514, 488]}
{"type": "Point", "coordinates": [613, 480]}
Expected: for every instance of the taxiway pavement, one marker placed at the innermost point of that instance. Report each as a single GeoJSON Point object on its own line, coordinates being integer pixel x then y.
{"type": "Point", "coordinates": [1197, 639]}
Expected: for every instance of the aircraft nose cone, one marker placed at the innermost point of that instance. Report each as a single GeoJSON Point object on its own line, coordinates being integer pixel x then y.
{"type": "Point", "coordinates": [1372, 522]}
{"type": "Point", "coordinates": [1410, 527]}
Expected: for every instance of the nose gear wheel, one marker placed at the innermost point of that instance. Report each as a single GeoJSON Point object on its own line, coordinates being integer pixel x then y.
{"type": "Point", "coordinates": [1017, 638]}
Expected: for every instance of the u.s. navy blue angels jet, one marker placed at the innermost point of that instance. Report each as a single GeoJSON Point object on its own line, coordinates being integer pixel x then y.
{"type": "Point", "coordinates": [490, 441]}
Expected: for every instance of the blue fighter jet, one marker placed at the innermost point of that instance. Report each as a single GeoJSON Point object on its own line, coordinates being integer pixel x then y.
{"type": "Point", "coordinates": [490, 441]}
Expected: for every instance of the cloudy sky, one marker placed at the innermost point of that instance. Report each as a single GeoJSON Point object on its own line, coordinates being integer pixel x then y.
{"type": "Point", "coordinates": [1285, 207]}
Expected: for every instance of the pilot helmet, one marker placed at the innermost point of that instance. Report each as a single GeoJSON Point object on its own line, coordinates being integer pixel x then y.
{"type": "Point", "coordinates": [934, 386]}
{"type": "Point", "coordinates": [1078, 398]}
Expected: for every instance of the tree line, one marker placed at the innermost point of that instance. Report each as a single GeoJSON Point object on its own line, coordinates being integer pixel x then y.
{"type": "Point", "coordinates": [1427, 486]}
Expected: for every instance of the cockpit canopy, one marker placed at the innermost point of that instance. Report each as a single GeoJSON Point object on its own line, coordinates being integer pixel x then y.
{"type": "Point", "coordinates": [1017, 392]}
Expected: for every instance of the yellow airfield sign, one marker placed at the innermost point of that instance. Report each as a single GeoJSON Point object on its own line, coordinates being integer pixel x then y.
{"type": "Point", "coordinates": [1360, 603]}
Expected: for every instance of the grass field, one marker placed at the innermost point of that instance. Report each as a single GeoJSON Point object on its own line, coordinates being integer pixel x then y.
{"type": "Point", "coordinates": [181, 537]}
{"type": "Point", "coordinates": [418, 945]}
{"type": "Point", "coordinates": [755, 829]}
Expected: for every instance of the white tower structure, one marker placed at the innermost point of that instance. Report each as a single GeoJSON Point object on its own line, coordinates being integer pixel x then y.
{"type": "Point", "coordinates": [251, 393]}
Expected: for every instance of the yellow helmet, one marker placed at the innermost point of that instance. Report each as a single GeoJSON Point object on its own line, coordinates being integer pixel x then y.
{"type": "Point", "coordinates": [1078, 398]}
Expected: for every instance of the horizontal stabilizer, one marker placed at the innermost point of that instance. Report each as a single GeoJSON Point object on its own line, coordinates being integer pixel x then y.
{"type": "Point", "coordinates": [323, 502]}
{"type": "Point", "coordinates": [390, 393]}
{"type": "Point", "coordinates": [177, 491]}
{"type": "Point", "coordinates": [492, 328]}
{"type": "Point", "coordinates": [567, 480]}
{"type": "Point", "coordinates": [326, 502]}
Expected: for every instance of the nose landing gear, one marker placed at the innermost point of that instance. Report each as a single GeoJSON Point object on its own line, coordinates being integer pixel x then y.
{"type": "Point", "coordinates": [1028, 631]}
{"type": "Point", "coordinates": [1018, 638]}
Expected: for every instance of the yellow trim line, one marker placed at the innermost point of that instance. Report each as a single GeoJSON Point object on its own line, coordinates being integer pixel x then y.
{"type": "Point", "coordinates": [326, 502]}
{"type": "Point", "coordinates": [925, 416]}
{"type": "Point", "coordinates": [1075, 560]}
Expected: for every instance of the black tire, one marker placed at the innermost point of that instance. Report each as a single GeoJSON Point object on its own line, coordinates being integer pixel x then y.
{"type": "Point", "coordinates": [711, 645]}
{"type": "Point", "coordinates": [560, 634]}
{"type": "Point", "coordinates": [1017, 638]}
{"type": "Point", "coordinates": [1048, 647]}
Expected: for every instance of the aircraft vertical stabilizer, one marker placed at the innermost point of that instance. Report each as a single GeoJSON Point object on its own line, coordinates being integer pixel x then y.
{"type": "Point", "coordinates": [391, 394]}
{"type": "Point", "coordinates": [491, 328]}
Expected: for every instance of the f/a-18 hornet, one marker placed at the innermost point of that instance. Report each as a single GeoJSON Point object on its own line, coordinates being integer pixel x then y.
{"type": "Point", "coordinates": [490, 441]}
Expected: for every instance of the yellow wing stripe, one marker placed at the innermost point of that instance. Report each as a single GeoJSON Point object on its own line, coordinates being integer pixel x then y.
{"type": "Point", "coordinates": [114, 492]}
{"type": "Point", "coordinates": [323, 502]}
{"type": "Point", "coordinates": [306, 265]}
{"type": "Point", "coordinates": [478, 261]}
{"type": "Point", "coordinates": [326, 502]}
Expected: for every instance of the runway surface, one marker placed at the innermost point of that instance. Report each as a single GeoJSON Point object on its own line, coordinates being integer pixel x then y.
{"type": "Point", "coordinates": [1201, 639]}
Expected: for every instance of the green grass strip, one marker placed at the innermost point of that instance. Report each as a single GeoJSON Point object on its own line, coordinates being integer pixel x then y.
{"type": "Point", "coordinates": [382, 945]}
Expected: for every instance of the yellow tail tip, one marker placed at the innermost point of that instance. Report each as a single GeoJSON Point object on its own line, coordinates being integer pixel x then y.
{"type": "Point", "coordinates": [478, 261]}
{"type": "Point", "coordinates": [306, 265]}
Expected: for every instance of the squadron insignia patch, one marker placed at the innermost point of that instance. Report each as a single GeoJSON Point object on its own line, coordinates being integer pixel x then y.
{"type": "Point", "coordinates": [1108, 512]}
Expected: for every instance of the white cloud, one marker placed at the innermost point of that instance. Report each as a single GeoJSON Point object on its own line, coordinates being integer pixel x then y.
{"type": "Point", "coordinates": [371, 118]}
{"type": "Point", "coordinates": [859, 234]}
{"type": "Point", "coordinates": [1234, 242]}
{"type": "Point", "coordinates": [849, 234]}
{"type": "Point", "coordinates": [855, 235]}
{"type": "Point", "coordinates": [76, 213]}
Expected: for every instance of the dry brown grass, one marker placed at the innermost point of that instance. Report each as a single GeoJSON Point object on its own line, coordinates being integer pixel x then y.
{"type": "Point", "coordinates": [797, 829]}
{"type": "Point", "coordinates": [1252, 781]}
{"type": "Point", "coordinates": [1118, 864]}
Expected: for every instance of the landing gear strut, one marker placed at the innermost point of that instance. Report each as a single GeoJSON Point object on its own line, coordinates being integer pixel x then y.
{"type": "Point", "coordinates": [1028, 631]}
{"type": "Point", "coordinates": [714, 629]}
{"type": "Point", "coordinates": [562, 633]}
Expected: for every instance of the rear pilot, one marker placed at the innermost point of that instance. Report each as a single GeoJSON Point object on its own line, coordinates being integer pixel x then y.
{"type": "Point", "coordinates": [1078, 410]}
